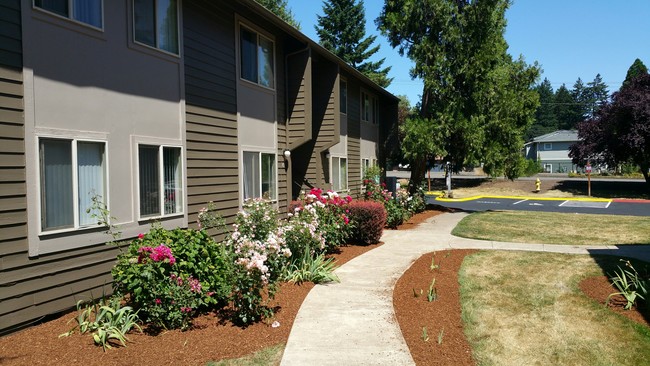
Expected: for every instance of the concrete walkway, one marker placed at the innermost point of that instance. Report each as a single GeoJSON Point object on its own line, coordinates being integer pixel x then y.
{"type": "Point", "coordinates": [353, 322]}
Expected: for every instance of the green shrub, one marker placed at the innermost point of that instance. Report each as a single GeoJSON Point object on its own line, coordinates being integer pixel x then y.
{"type": "Point", "coordinates": [312, 268]}
{"type": "Point", "coordinates": [369, 219]}
{"type": "Point", "coordinates": [630, 284]}
{"type": "Point", "coordinates": [395, 214]}
{"type": "Point", "coordinates": [532, 167]}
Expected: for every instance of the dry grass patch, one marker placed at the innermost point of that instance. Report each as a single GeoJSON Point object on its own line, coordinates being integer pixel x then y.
{"type": "Point", "coordinates": [523, 308]}
{"type": "Point", "coordinates": [554, 228]}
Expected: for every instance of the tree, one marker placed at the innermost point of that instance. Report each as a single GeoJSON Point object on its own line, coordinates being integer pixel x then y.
{"type": "Point", "coordinates": [281, 9]}
{"type": "Point", "coordinates": [342, 30]}
{"type": "Point", "coordinates": [637, 68]}
{"type": "Point", "coordinates": [396, 134]}
{"type": "Point", "coordinates": [596, 95]}
{"type": "Point", "coordinates": [580, 96]}
{"type": "Point", "coordinates": [564, 105]}
{"type": "Point", "coordinates": [477, 101]}
{"type": "Point", "coordinates": [620, 131]}
{"type": "Point", "coordinates": [545, 117]}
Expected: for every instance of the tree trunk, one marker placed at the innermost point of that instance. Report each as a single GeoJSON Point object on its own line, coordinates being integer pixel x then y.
{"type": "Point", "coordinates": [418, 169]}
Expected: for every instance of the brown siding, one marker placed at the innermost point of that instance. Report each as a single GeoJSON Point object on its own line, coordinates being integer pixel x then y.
{"type": "Point", "coordinates": [299, 103]}
{"type": "Point", "coordinates": [211, 108]}
{"type": "Point", "coordinates": [354, 137]}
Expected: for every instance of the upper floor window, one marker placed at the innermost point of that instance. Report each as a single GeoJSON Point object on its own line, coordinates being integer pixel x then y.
{"type": "Point", "coordinates": [344, 97]}
{"type": "Point", "coordinates": [259, 175]}
{"type": "Point", "coordinates": [72, 174]}
{"type": "Point", "coordinates": [85, 11]}
{"type": "Point", "coordinates": [156, 24]}
{"type": "Point", "coordinates": [548, 146]}
{"type": "Point", "coordinates": [160, 180]}
{"type": "Point", "coordinates": [368, 108]}
{"type": "Point", "coordinates": [256, 58]}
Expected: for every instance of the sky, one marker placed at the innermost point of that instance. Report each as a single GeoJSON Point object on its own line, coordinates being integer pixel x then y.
{"type": "Point", "coordinates": [568, 38]}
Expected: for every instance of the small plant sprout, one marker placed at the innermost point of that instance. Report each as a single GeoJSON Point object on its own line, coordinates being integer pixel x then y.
{"type": "Point", "coordinates": [433, 266]}
{"type": "Point", "coordinates": [432, 295]}
{"type": "Point", "coordinates": [425, 335]}
{"type": "Point", "coordinates": [416, 294]}
{"type": "Point", "coordinates": [440, 335]}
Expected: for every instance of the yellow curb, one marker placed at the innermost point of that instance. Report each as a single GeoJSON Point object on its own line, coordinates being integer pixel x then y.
{"type": "Point", "coordinates": [532, 198]}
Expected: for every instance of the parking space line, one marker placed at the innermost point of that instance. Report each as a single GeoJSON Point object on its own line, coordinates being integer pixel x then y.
{"type": "Point", "coordinates": [608, 203]}
{"type": "Point", "coordinates": [562, 204]}
{"type": "Point", "coordinates": [520, 201]}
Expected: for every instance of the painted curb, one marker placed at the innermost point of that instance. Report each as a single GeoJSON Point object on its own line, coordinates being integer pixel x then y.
{"type": "Point", "coordinates": [531, 198]}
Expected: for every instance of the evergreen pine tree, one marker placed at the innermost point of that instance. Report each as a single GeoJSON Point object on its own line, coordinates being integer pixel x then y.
{"type": "Point", "coordinates": [281, 9]}
{"type": "Point", "coordinates": [564, 105]}
{"type": "Point", "coordinates": [597, 95]}
{"type": "Point", "coordinates": [342, 31]}
{"type": "Point", "coordinates": [637, 68]}
{"type": "Point", "coordinates": [545, 118]}
{"type": "Point", "coordinates": [580, 98]}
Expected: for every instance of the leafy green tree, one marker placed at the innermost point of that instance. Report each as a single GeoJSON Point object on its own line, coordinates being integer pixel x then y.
{"type": "Point", "coordinates": [342, 30]}
{"type": "Point", "coordinates": [477, 101]}
{"type": "Point", "coordinates": [564, 104]}
{"type": "Point", "coordinates": [545, 117]}
{"type": "Point", "coordinates": [281, 9]}
{"type": "Point", "coordinates": [637, 68]}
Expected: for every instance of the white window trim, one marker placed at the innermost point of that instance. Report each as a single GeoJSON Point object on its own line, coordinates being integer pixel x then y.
{"type": "Point", "coordinates": [260, 151]}
{"type": "Point", "coordinates": [550, 168]}
{"type": "Point", "coordinates": [75, 188]}
{"type": "Point", "coordinates": [344, 80]}
{"type": "Point", "coordinates": [179, 25]}
{"type": "Point", "coordinates": [69, 18]}
{"type": "Point", "coordinates": [372, 106]}
{"type": "Point", "coordinates": [347, 175]}
{"type": "Point", "coordinates": [371, 163]}
{"type": "Point", "coordinates": [548, 146]}
{"type": "Point", "coordinates": [161, 183]}
{"type": "Point", "coordinates": [259, 34]}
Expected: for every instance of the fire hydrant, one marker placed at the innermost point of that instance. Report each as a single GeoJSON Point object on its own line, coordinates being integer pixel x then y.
{"type": "Point", "coordinates": [538, 185]}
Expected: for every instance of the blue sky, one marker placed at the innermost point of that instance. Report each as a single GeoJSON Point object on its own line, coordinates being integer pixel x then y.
{"type": "Point", "coordinates": [568, 38]}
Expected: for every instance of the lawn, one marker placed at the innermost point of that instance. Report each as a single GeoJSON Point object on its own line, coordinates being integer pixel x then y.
{"type": "Point", "coordinates": [555, 228]}
{"type": "Point", "coordinates": [522, 308]}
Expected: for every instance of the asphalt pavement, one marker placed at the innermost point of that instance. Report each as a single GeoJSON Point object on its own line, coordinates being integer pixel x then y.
{"type": "Point", "coordinates": [565, 205]}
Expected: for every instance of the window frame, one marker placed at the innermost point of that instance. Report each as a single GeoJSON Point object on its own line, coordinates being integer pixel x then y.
{"type": "Point", "coordinates": [74, 159]}
{"type": "Point", "coordinates": [368, 113]}
{"type": "Point", "coordinates": [70, 16]}
{"type": "Point", "coordinates": [347, 174]}
{"type": "Point", "coordinates": [548, 146]}
{"type": "Point", "coordinates": [259, 171]}
{"type": "Point", "coordinates": [161, 181]}
{"type": "Point", "coordinates": [258, 35]}
{"type": "Point", "coordinates": [371, 163]}
{"type": "Point", "coordinates": [156, 47]}
{"type": "Point", "coordinates": [550, 168]}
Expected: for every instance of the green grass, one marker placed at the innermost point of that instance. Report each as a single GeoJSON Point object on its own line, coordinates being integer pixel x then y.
{"type": "Point", "coordinates": [522, 308]}
{"type": "Point", "coordinates": [270, 356]}
{"type": "Point", "coordinates": [554, 228]}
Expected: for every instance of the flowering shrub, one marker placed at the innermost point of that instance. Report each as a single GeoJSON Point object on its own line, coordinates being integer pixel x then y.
{"type": "Point", "coordinates": [209, 218]}
{"type": "Point", "coordinates": [331, 215]}
{"type": "Point", "coordinates": [375, 191]}
{"type": "Point", "coordinates": [370, 219]}
{"type": "Point", "coordinates": [201, 271]}
{"type": "Point", "coordinates": [260, 256]}
{"type": "Point", "coordinates": [302, 235]}
{"type": "Point", "coordinates": [395, 214]}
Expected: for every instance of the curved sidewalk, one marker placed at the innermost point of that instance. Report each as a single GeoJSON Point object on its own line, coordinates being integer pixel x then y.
{"type": "Point", "coordinates": [353, 322]}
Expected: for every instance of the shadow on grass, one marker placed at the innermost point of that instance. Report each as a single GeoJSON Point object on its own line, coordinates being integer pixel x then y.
{"type": "Point", "coordinates": [610, 260]}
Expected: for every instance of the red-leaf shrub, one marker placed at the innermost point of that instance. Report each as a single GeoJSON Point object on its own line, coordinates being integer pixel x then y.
{"type": "Point", "coordinates": [369, 219]}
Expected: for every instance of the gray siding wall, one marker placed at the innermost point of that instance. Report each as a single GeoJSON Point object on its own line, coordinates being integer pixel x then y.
{"type": "Point", "coordinates": [354, 137]}
{"type": "Point", "coordinates": [211, 107]}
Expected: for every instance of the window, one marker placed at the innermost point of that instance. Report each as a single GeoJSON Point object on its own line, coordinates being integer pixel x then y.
{"type": "Point", "coordinates": [256, 58]}
{"type": "Point", "coordinates": [72, 172]}
{"type": "Point", "coordinates": [365, 164]}
{"type": "Point", "coordinates": [160, 180]}
{"type": "Point", "coordinates": [85, 11]}
{"type": "Point", "coordinates": [548, 168]}
{"type": "Point", "coordinates": [339, 174]}
{"type": "Point", "coordinates": [155, 24]}
{"type": "Point", "coordinates": [259, 175]}
{"type": "Point", "coordinates": [368, 108]}
{"type": "Point", "coordinates": [548, 146]}
{"type": "Point", "coordinates": [344, 97]}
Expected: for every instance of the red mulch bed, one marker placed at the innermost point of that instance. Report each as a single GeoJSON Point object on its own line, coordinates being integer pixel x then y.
{"type": "Point", "coordinates": [599, 287]}
{"type": "Point", "coordinates": [212, 339]}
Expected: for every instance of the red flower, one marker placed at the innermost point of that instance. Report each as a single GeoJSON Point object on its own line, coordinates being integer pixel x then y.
{"type": "Point", "coordinates": [140, 236]}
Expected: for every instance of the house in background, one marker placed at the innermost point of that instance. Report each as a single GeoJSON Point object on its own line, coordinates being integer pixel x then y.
{"type": "Point", "coordinates": [552, 151]}
{"type": "Point", "coordinates": [159, 107]}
